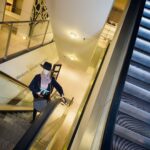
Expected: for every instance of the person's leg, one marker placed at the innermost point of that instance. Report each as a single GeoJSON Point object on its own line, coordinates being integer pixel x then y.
{"type": "Point", "coordinates": [34, 113]}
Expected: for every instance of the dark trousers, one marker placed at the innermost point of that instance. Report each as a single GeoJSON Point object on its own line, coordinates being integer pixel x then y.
{"type": "Point", "coordinates": [34, 114]}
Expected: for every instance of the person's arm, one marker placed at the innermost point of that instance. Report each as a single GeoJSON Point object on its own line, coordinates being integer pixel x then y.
{"type": "Point", "coordinates": [33, 85]}
{"type": "Point", "coordinates": [57, 86]}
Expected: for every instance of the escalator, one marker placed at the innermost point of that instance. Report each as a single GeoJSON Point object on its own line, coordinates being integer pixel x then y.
{"type": "Point", "coordinates": [132, 127]}
{"type": "Point", "coordinates": [12, 127]}
{"type": "Point", "coordinates": [15, 111]}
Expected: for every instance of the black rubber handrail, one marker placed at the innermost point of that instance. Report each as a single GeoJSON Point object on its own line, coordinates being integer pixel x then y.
{"type": "Point", "coordinates": [132, 20]}
{"type": "Point", "coordinates": [28, 138]}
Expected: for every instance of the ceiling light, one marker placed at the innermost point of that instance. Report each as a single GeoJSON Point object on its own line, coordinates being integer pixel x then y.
{"type": "Point", "coordinates": [73, 57]}
{"type": "Point", "coordinates": [24, 37]}
{"type": "Point", "coordinates": [73, 35]}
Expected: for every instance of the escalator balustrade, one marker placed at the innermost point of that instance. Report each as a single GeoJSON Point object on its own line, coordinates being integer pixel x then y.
{"type": "Point", "coordinates": [132, 128]}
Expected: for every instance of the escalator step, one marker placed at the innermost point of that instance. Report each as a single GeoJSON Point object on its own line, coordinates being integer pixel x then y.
{"type": "Point", "coordinates": [142, 59]}
{"type": "Point", "coordinates": [144, 33]}
{"type": "Point", "coordinates": [138, 82]}
{"type": "Point", "coordinates": [134, 112]}
{"type": "Point", "coordinates": [123, 144]}
{"type": "Point", "coordinates": [133, 124]}
{"type": "Point", "coordinates": [142, 45]}
{"type": "Point", "coordinates": [147, 4]}
{"type": "Point", "coordinates": [132, 136]}
{"type": "Point", "coordinates": [137, 91]}
{"type": "Point", "coordinates": [134, 101]}
{"type": "Point", "coordinates": [146, 13]}
{"type": "Point", "coordinates": [145, 22]}
{"type": "Point", "coordinates": [139, 65]}
{"type": "Point", "coordinates": [12, 128]}
{"type": "Point", "coordinates": [139, 74]}
{"type": "Point", "coordinates": [5, 144]}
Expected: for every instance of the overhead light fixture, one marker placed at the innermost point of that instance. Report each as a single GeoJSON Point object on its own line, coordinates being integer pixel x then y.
{"type": "Point", "coordinates": [24, 37]}
{"type": "Point", "coordinates": [74, 35]}
{"type": "Point", "coordinates": [72, 57]}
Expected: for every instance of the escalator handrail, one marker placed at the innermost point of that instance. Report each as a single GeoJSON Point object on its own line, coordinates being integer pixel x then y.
{"type": "Point", "coordinates": [28, 138]}
{"type": "Point", "coordinates": [13, 79]}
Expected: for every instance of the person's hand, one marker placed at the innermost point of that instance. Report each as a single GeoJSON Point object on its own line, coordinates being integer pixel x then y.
{"type": "Point", "coordinates": [63, 98]}
{"type": "Point", "coordinates": [39, 94]}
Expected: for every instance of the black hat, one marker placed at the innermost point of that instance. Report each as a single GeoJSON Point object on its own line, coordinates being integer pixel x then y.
{"type": "Point", "coordinates": [47, 66]}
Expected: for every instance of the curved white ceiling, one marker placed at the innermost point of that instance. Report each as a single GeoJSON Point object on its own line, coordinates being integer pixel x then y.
{"type": "Point", "coordinates": [76, 25]}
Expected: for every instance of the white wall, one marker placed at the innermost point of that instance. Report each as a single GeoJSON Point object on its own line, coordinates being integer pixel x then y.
{"type": "Point", "coordinates": [23, 65]}
{"type": "Point", "coordinates": [76, 25]}
{"type": "Point", "coordinates": [2, 7]}
{"type": "Point", "coordinates": [26, 11]}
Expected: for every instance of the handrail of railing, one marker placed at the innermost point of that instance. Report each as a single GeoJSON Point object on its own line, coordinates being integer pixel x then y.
{"type": "Point", "coordinates": [7, 55]}
{"type": "Point", "coordinates": [24, 21]}
{"type": "Point", "coordinates": [135, 13]}
{"type": "Point", "coordinates": [13, 79]}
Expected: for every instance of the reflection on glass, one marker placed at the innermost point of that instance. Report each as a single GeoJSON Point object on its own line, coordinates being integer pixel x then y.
{"type": "Point", "coordinates": [4, 32]}
{"type": "Point", "coordinates": [37, 32]}
{"type": "Point", "coordinates": [23, 36]}
{"type": "Point", "coordinates": [49, 35]}
{"type": "Point", "coordinates": [19, 37]}
{"type": "Point", "coordinates": [13, 123]}
{"type": "Point", "coordinates": [14, 6]}
{"type": "Point", "coordinates": [13, 93]}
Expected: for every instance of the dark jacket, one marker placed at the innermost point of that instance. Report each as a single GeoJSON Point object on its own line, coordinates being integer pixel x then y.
{"type": "Point", "coordinates": [36, 83]}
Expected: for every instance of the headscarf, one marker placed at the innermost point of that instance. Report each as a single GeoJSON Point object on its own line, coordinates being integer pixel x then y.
{"type": "Point", "coordinates": [45, 80]}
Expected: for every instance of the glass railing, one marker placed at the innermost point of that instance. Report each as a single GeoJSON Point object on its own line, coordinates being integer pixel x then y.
{"type": "Point", "coordinates": [16, 106]}
{"type": "Point", "coordinates": [20, 36]}
{"type": "Point", "coordinates": [14, 93]}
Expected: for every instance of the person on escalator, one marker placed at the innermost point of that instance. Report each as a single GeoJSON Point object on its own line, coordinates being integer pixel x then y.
{"type": "Point", "coordinates": [41, 87]}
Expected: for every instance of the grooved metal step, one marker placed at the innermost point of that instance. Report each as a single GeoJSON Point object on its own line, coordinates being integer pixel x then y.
{"type": "Point", "coordinates": [145, 22]}
{"type": "Point", "coordinates": [147, 4]}
{"type": "Point", "coordinates": [132, 136]}
{"type": "Point", "coordinates": [138, 82]}
{"type": "Point", "coordinates": [146, 13]}
{"type": "Point", "coordinates": [12, 128]}
{"type": "Point", "coordinates": [142, 45]}
{"type": "Point", "coordinates": [139, 65]}
{"type": "Point", "coordinates": [123, 144]}
{"type": "Point", "coordinates": [134, 101]}
{"type": "Point", "coordinates": [139, 74]}
{"type": "Point", "coordinates": [141, 58]}
{"type": "Point", "coordinates": [144, 33]}
{"type": "Point", "coordinates": [134, 112]}
{"type": "Point", "coordinates": [133, 124]}
{"type": "Point", "coordinates": [137, 91]}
